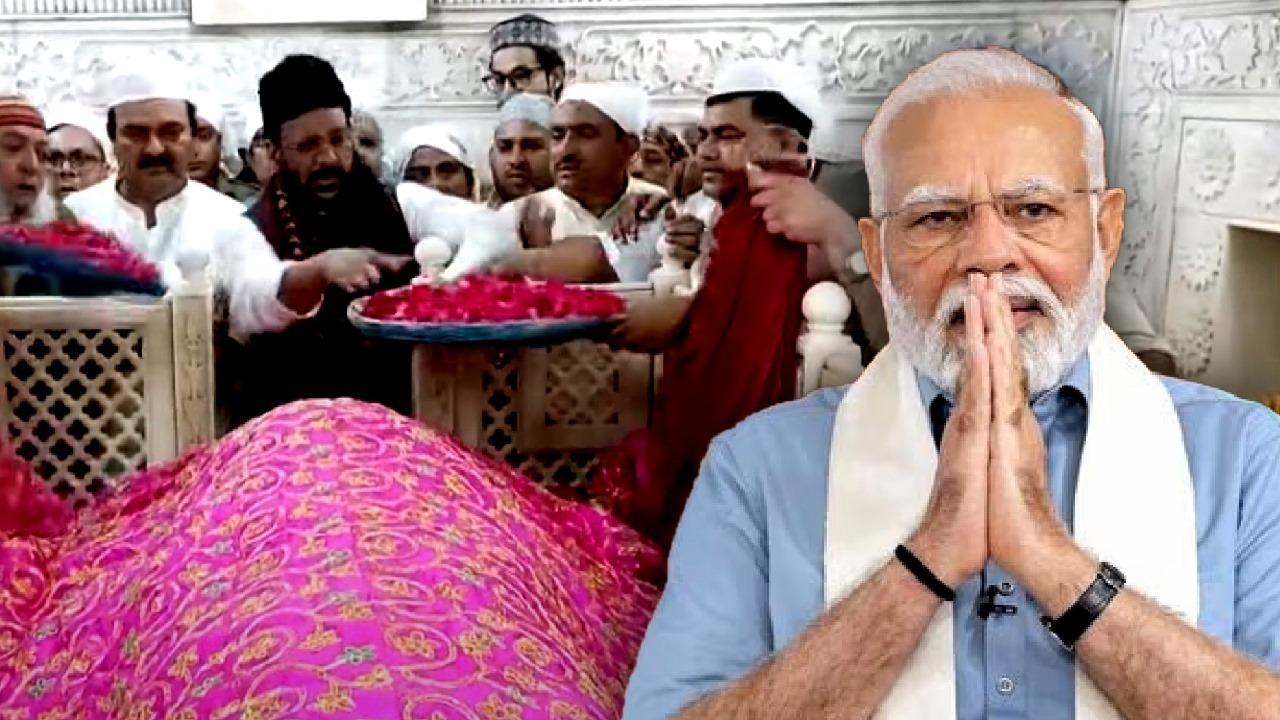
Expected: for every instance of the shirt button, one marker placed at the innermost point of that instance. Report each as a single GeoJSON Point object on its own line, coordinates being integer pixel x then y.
{"type": "Point", "coordinates": [1006, 588]}
{"type": "Point", "coordinates": [1004, 686]}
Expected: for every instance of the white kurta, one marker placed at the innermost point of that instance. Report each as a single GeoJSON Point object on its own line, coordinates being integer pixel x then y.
{"type": "Point", "coordinates": [198, 226]}
{"type": "Point", "coordinates": [490, 238]}
{"type": "Point", "coordinates": [633, 261]}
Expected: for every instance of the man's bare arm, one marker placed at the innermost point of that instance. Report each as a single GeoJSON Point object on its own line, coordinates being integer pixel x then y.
{"type": "Point", "coordinates": [843, 665]}
{"type": "Point", "coordinates": [574, 259]}
{"type": "Point", "coordinates": [1150, 663]}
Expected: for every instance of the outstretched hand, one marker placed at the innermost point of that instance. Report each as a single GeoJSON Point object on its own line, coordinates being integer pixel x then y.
{"type": "Point", "coordinates": [359, 269]}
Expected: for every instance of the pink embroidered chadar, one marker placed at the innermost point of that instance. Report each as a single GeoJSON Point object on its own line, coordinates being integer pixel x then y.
{"type": "Point", "coordinates": [330, 559]}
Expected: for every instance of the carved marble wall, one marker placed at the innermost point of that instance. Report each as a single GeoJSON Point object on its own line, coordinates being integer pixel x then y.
{"type": "Point", "coordinates": [59, 49]}
{"type": "Point", "coordinates": [1198, 149]}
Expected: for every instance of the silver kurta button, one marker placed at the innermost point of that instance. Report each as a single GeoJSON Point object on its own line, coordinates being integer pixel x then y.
{"type": "Point", "coordinates": [1005, 686]}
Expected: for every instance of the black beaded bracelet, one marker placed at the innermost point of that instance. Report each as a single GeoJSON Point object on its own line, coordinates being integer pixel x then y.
{"type": "Point", "coordinates": [923, 574]}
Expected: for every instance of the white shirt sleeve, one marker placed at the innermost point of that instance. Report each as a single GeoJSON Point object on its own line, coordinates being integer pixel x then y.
{"type": "Point", "coordinates": [430, 213]}
{"type": "Point", "coordinates": [245, 265]}
{"type": "Point", "coordinates": [633, 261]}
{"type": "Point", "coordinates": [490, 238]}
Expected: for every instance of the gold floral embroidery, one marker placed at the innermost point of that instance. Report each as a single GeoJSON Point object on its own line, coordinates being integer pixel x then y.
{"type": "Point", "coordinates": [260, 649]}
{"type": "Point", "coordinates": [316, 585]}
{"type": "Point", "coordinates": [181, 667]}
{"type": "Point", "coordinates": [494, 708]}
{"type": "Point", "coordinates": [379, 677]}
{"type": "Point", "coordinates": [356, 611]}
{"type": "Point", "coordinates": [413, 643]}
{"type": "Point", "coordinates": [320, 638]}
{"type": "Point", "coordinates": [534, 652]}
{"type": "Point", "coordinates": [336, 699]}
{"type": "Point", "coordinates": [477, 643]}
{"type": "Point", "coordinates": [142, 711]}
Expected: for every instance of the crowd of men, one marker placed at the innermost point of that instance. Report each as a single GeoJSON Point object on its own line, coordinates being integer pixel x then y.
{"type": "Point", "coordinates": [985, 220]}
{"type": "Point", "coordinates": [579, 183]}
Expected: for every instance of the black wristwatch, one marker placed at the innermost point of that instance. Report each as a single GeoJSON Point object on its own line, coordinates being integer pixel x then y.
{"type": "Point", "coordinates": [1076, 620]}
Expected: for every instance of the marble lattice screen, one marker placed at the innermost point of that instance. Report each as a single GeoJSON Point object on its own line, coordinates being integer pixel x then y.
{"type": "Point", "coordinates": [1189, 92]}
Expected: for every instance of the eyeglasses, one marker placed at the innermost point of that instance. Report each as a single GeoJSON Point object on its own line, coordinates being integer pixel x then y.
{"type": "Point", "coordinates": [518, 79]}
{"type": "Point", "coordinates": [339, 141]}
{"type": "Point", "coordinates": [1036, 215]}
{"type": "Point", "coordinates": [75, 159]}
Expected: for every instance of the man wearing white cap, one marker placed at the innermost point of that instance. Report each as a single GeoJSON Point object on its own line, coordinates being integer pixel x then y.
{"type": "Point", "coordinates": [79, 153]}
{"type": "Point", "coordinates": [155, 210]}
{"type": "Point", "coordinates": [433, 156]}
{"type": "Point", "coordinates": [759, 110]}
{"type": "Point", "coordinates": [206, 163]}
{"type": "Point", "coordinates": [566, 230]}
{"type": "Point", "coordinates": [521, 154]}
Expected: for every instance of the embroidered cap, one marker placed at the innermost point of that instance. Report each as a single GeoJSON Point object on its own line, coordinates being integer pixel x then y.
{"type": "Point", "coordinates": [17, 110]}
{"type": "Point", "coordinates": [524, 30]}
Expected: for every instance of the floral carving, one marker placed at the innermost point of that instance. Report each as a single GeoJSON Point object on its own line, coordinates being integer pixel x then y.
{"type": "Point", "coordinates": [1167, 55]}
{"type": "Point", "coordinates": [1198, 258]}
{"type": "Point", "coordinates": [1209, 162]}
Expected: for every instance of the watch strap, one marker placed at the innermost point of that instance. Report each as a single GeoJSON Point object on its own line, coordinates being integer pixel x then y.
{"type": "Point", "coordinates": [1078, 618]}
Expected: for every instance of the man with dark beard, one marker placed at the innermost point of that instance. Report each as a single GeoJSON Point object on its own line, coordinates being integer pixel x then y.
{"type": "Point", "coordinates": [321, 198]}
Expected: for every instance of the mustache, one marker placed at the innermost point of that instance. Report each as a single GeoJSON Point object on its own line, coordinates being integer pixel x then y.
{"type": "Point", "coordinates": [951, 305]}
{"type": "Point", "coordinates": [156, 161]}
{"type": "Point", "coordinates": [326, 174]}
{"type": "Point", "coordinates": [569, 162]}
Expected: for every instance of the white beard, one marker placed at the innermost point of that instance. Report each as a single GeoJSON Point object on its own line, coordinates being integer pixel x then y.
{"type": "Point", "coordinates": [42, 212]}
{"type": "Point", "coordinates": [1046, 356]}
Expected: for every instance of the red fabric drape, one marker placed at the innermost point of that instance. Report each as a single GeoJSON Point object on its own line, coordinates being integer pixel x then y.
{"type": "Point", "coordinates": [737, 356]}
{"type": "Point", "coordinates": [27, 505]}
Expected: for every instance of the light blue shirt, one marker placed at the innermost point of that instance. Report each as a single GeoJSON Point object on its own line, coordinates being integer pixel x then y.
{"type": "Point", "coordinates": [746, 575]}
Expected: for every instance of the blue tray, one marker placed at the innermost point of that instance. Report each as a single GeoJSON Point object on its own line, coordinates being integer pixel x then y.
{"type": "Point", "coordinates": [531, 332]}
{"type": "Point", "coordinates": [72, 275]}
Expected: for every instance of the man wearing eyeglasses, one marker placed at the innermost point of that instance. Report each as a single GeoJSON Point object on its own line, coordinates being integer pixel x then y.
{"type": "Point", "coordinates": [524, 58]}
{"type": "Point", "coordinates": [154, 208]}
{"type": "Point", "coordinates": [324, 199]}
{"type": "Point", "coordinates": [78, 155]}
{"type": "Point", "coordinates": [1007, 515]}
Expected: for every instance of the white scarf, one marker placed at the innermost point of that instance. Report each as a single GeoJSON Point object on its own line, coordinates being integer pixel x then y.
{"type": "Point", "coordinates": [1134, 504]}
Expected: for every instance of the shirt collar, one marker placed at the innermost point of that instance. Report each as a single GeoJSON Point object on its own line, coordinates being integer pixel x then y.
{"type": "Point", "coordinates": [1075, 384]}
{"type": "Point", "coordinates": [630, 190]}
{"type": "Point", "coordinates": [166, 207]}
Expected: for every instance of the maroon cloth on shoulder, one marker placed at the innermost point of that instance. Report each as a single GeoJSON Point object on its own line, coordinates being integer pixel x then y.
{"type": "Point", "coordinates": [737, 357]}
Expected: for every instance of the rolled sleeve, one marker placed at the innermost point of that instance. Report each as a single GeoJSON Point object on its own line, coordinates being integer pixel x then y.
{"type": "Point", "coordinates": [712, 625]}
